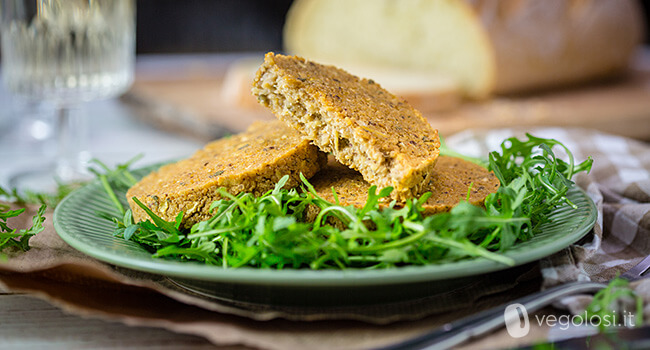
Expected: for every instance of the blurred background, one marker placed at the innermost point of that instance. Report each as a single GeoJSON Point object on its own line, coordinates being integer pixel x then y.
{"type": "Point", "coordinates": [188, 82]}
{"type": "Point", "coordinates": [170, 26]}
{"type": "Point", "coordinates": [238, 27]}
{"type": "Point", "coordinates": [167, 26]}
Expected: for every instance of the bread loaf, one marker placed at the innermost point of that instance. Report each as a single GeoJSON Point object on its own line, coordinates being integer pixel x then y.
{"type": "Point", "coordinates": [487, 46]}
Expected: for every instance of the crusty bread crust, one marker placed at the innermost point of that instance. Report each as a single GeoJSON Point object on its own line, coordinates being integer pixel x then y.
{"type": "Point", "coordinates": [539, 45]}
{"type": "Point", "coordinates": [253, 161]}
{"type": "Point", "coordinates": [364, 126]}
{"type": "Point", "coordinates": [489, 46]}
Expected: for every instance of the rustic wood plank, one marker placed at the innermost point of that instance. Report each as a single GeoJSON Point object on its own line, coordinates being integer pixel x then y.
{"type": "Point", "coordinates": [30, 323]}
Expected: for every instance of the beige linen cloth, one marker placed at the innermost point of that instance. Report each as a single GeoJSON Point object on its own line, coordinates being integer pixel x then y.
{"type": "Point", "coordinates": [619, 184]}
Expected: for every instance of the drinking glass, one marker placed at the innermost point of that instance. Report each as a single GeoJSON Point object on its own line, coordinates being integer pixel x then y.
{"type": "Point", "coordinates": [64, 53]}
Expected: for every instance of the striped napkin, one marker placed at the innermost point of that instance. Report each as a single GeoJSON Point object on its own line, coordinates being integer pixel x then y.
{"type": "Point", "coordinates": [619, 185]}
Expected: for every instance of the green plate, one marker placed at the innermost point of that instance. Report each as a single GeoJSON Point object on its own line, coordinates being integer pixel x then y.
{"type": "Point", "coordinates": [76, 221]}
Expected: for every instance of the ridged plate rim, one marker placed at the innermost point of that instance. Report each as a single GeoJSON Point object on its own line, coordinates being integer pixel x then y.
{"type": "Point", "coordinates": [76, 222]}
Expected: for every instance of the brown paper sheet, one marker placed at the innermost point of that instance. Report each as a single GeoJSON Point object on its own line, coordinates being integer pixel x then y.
{"type": "Point", "coordinates": [78, 284]}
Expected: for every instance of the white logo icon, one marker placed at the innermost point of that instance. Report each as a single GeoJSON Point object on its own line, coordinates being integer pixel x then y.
{"type": "Point", "coordinates": [517, 323]}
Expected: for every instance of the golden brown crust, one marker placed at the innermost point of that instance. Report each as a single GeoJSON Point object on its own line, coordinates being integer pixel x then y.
{"type": "Point", "coordinates": [448, 186]}
{"type": "Point", "coordinates": [364, 126]}
{"type": "Point", "coordinates": [253, 161]}
{"type": "Point", "coordinates": [452, 180]}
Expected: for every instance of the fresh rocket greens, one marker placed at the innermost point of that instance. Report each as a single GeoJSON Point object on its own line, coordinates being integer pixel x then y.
{"type": "Point", "coordinates": [19, 239]}
{"type": "Point", "coordinates": [605, 306]}
{"type": "Point", "coordinates": [50, 199]}
{"type": "Point", "coordinates": [13, 238]}
{"type": "Point", "coordinates": [271, 231]}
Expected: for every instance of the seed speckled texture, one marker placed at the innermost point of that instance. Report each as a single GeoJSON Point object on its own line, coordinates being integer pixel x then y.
{"type": "Point", "coordinates": [449, 184]}
{"type": "Point", "coordinates": [253, 161]}
{"type": "Point", "coordinates": [364, 126]}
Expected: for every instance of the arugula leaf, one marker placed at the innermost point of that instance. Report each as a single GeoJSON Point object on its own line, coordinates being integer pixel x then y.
{"type": "Point", "coordinates": [9, 237]}
{"type": "Point", "coordinates": [605, 309]}
{"type": "Point", "coordinates": [271, 231]}
{"type": "Point", "coordinates": [120, 178]}
{"type": "Point", "coordinates": [446, 151]}
{"type": "Point", "coordinates": [31, 197]}
{"type": "Point", "coordinates": [115, 180]}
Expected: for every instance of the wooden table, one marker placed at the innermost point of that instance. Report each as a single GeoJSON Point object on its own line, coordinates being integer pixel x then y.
{"type": "Point", "coordinates": [30, 323]}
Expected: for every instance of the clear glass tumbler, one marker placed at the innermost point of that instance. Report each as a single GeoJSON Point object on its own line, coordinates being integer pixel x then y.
{"type": "Point", "coordinates": [64, 53]}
